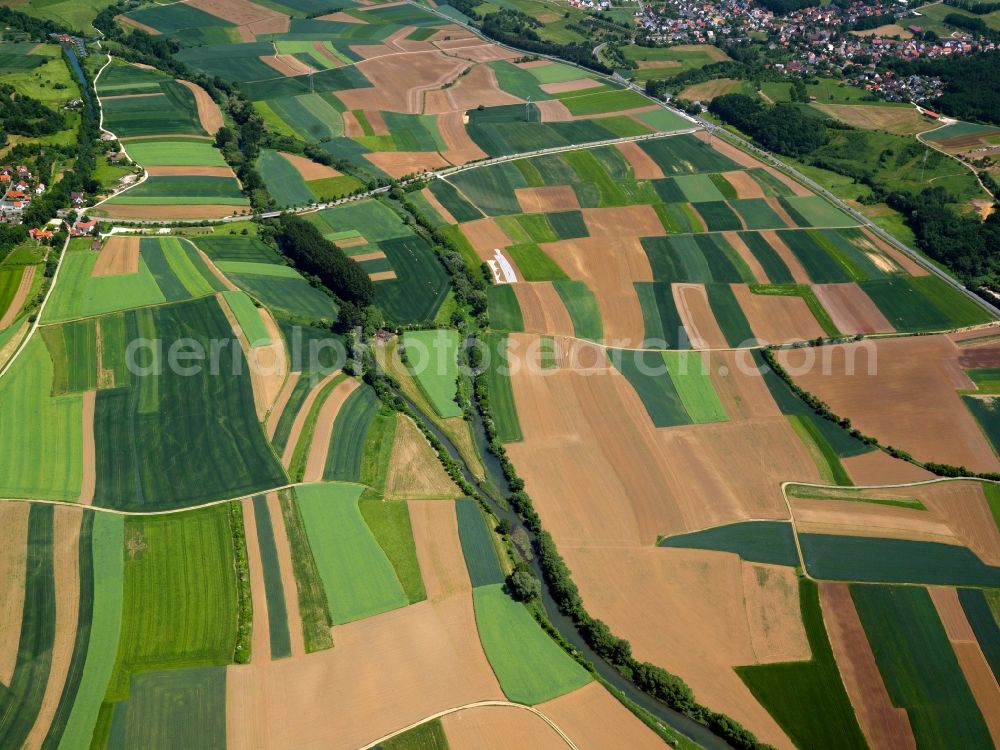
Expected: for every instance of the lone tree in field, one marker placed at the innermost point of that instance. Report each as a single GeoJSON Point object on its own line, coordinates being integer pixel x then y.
{"type": "Point", "coordinates": [523, 585]}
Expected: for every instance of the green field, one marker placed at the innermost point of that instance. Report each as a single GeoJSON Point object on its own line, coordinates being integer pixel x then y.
{"type": "Point", "coordinates": [433, 361]}
{"type": "Point", "coordinates": [817, 211]}
{"type": "Point", "coordinates": [179, 606]}
{"type": "Point", "coordinates": [729, 315]}
{"type": "Point", "coordinates": [672, 60]}
{"type": "Point", "coordinates": [182, 189]}
{"type": "Point", "coordinates": [585, 103]}
{"type": "Point", "coordinates": [350, 431]}
{"type": "Point", "coordinates": [313, 607]}
{"type": "Point", "coordinates": [647, 373]}
{"type": "Point", "coordinates": [169, 108]}
{"type": "Point", "coordinates": [923, 303]}
{"type": "Point", "coordinates": [987, 414]}
{"type": "Point", "coordinates": [175, 152]}
{"type": "Point", "coordinates": [824, 456]}
{"type": "Point", "coordinates": [534, 264]}
{"type": "Point", "coordinates": [661, 322]}
{"type": "Point", "coordinates": [274, 592]}
{"type": "Point", "coordinates": [582, 308]}
{"type": "Point", "coordinates": [756, 214]}
{"type": "Point", "coordinates": [775, 268]}
{"type": "Point", "coordinates": [755, 541]}
{"type": "Point", "coordinates": [984, 625]}
{"type": "Point", "coordinates": [530, 666]}
{"type": "Point", "coordinates": [181, 707]}
{"type": "Point", "coordinates": [421, 284]}
{"type": "Point", "coordinates": [501, 391]}
{"type": "Point", "coordinates": [685, 154]}
{"type": "Point", "coordinates": [919, 667]}
{"type": "Point", "coordinates": [283, 180]}
{"type": "Point", "coordinates": [248, 316]}
{"type": "Point", "coordinates": [358, 577]}
{"type": "Point", "coordinates": [390, 523]}
{"type": "Point", "coordinates": [477, 545]}
{"type": "Point", "coordinates": [505, 312]}
{"type": "Point", "coordinates": [697, 187]}
{"type": "Point", "coordinates": [689, 373]}
{"type": "Point", "coordinates": [807, 698]}
{"type": "Point", "coordinates": [700, 258]}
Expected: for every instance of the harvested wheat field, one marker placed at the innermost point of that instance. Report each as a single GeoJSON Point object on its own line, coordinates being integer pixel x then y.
{"type": "Point", "coordinates": [553, 110]}
{"type": "Point", "coordinates": [323, 431]}
{"type": "Point", "coordinates": [562, 87]}
{"type": "Point", "coordinates": [539, 200]}
{"type": "Point", "coordinates": [208, 111]}
{"type": "Point", "coordinates": [251, 19]}
{"type": "Point", "coordinates": [708, 90]}
{"type": "Point", "coordinates": [483, 52]}
{"type": "Point", "coordinates": [309, 169]}
{"type": "Point", "coordinates": [479, 86]}
{"type": "Point", "coordinates": [643, 165]}
{"type": "Point", "coordinates": [907, 399]}
{"type": "Point", "coordinates": [542, 309]}
{"type": "Point", "coordinates": [399, 81]}
{"type": "Point", "coordinates": [352, 128]}
{"type": "Point", "coordinates": [771, 593]}
{"type": "Point", "coordinates": [260, 637]}
{"type": "Point", "coordinates": [500, 728]}
{"type": "Point", "coordinates": [883, 725]}
{"type": "Point", "coordinates": [776, 318]}
{"type": "Point", "coordinates": [851, 309]}
{"type": "Point", "coordinates": [286, 567]}
{"type": "Point", "coordinates": [877, 467]}
{"type": "Point", "coordinates": [300, 418]}
{"type": "Point", "coordinates": [743, 395]}
{"type": "Point", "coordinates": [439, 552]}
{"type": "Point", "coordinates": [401, 163]}
{"type": "Point", "coordinates": [382, 275]}
{"type": "Point", "coordinates": [19, 298]}
{"type": "Point", "coordinates": [118, 255]}
{"type": "Point", "coordinates": [697, 637]}
{"type": "Point", "coordinates": [166, 211]}
{"type": "Point", "coordinates": [697, 317]}
{"type": "Point", "coordinates": [594, 720]}
{"type": "Point", "coordinates": [88, 457]}
{"type": "Point", "coordinates": [486, 236]}
{"type": "Point", "coordinates": [609, 266]}
{"type": "Point", "coordinates": [746, 186]}
{"type": "Point", "coordinates": [901, 120]}
{"type": "Point", "coordinates": [287, 65]}
{"type": "Point", "coordinates": [13, 559]}
{"type": "Point", "coordinates": [429, 660]}
{"type": "Point", "coordinates": [414, 470]}
{"type": "Point", "coordinates": [622, 221]}
{"type": "Point", "coordinates": [66, 569]}
{"type": "Point", "coordinates": [461, 148]}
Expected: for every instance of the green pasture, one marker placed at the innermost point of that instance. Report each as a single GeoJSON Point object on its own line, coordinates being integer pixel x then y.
{"type": "Point", "coordinates": [534, 264]}
{"type": "Point", "coordinates": [582, 308]}
{"type": "Point", "coordinates": [504, 310]}
{"type": "Point", "coordinates": [433, 361]}
{"type": "Point", "coordinates": [500, 388]}
{"type": "Point", "coordinates": [248, 316]}
{"type": "Point", "coordinates": [477, 545]}
{"type": "Point", "coordinates": [390, 524]}
{"type": "Point", "coordinates": [175, 152]}
{"type": "Point", "coordinates": [614, 100]}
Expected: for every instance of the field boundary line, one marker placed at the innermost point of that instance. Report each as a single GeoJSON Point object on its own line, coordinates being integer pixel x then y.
{"type": "Point", "coordinates": [975, 172]}
{"type": "Point", "coordinates": [478, 704]}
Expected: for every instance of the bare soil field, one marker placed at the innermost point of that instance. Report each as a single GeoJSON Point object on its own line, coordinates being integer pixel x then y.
{"type": "Point", "coordinates": [696, 315]}
{"type": "Point", "coordinates": [286, 64]}
{"type": "Point", "coordinates": [20, 297]}
{"type": "Point", "coordinates": [975, 337]}
{"type": "Point", "coordinates": [748, 257]}
{"type": "Point", "coordinates": [474, 88]}
{"type": "Point", "coordinates": [876, 467]}
{"type": "Point", "coordinates": [300, 418]}
{"type": "Point", "coordinates": [443, 212]}
{"type": "Point", "coordinates": [542, 309]}
{"type": "Point", "coordinates": [949, 609]}
{"type": "Point", "coordinates": [982, 683]}
{"type": "Point", "coordinates": [400, 163]}
{"type": "Point", "coordinates": [486, 236]}
{"type": "Point", "coordinates": [743, 396]}
{"type": "Point", "coordinates": [889, 29]}
{"type": "Point", "coordinates": [341, 17]}
{"type": "Point", "coordinates": [623, 221]}
{"type": "Point", "coordinates": [609, 266]}
{"type": "Point", "coordinates": [377, 122]}
{"type": "Point", "coordinates": [773, 239]}
{"type": "Point", "coordinates": [190, 170]}
{"type": "Point", "coordinates": [539, 200]}
{"type": "Point", "coordinates": [987, 355]}
{"type": "Point", "coordinates": [429, 658]}
{"type": "Point", "coordinates": [439, 551]}
{"type": "Point", "coordinates": [553, 110]}
{"type": "Point", "coordinates": [260, 636]}
{"type": "Point", "coordinates": [415, 471]}
{"type": "Point", "coordinates": [697, 637]}
{"type": "Point", "coordinates": [771, 593]}
{"type": "Point", "coordinates": [399, 81]}
{"type": "Point", "coordinates": [352, 128]}
{"type": "Point", "coordinates": [323, 431]}
{"type": "Point", "coordinates": [563, 86]}
{"type": "Point", "coordinates": [642, 163]}
{"type": "Point", "coordinates": [910, 402]}
{"type": "Point", "coordinates": [775, 318]}
{"type": "Point", "coordinates": [309, 169]}
{"type": "Point", "coordinates": [461, 148]}
{"type": "Point", "coordinates": [13, 561]}
{"type": "Point", "coordinates": [166, 211]}
{"type": "Point", "coordinates": [851, 309]}
{"type": "Point", "coordinates": [746, 186]}
{"type": "Point", "coordinates": [883, 725]}
{"type": "Point", "coordinates": [382, 275]}
{"type": "Point", "coordinates": [88, 458]}
{"type": "Point", "coordinates": [499, 728]}
{"type": "Point", "coordinates": [901, 120]}
{"type": "Point", "coordinates": [250, 18]}
{"type": "Point", "coordinates": [208, 111]}
{"type": "Point", "coordinates": [288, 582]}
{"type": "Point", "coordinates": [66, 566]}
{"type": "Point", "coordinates": [483, 52]}
{"type": "Point", "coordinates": [594, 720]}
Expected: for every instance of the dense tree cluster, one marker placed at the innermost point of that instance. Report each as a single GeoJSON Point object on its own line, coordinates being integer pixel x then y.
{"type": "Point", "coordinates": [971, 6]}
{"type": "Point", "coordinates": [974, 25]}
{"type": "Point", "coordinates": [972, 84]}
{"type": "Point", "coordinates": [779, 127]}
{"type": "Point", "coordinates": [23, 115]}
{"type": "Point", "coordinates": [317, 256]}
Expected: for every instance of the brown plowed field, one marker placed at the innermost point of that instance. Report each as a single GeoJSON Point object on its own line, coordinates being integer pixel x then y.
{"type": "Point", "coordinates": [415, 471]}
{"type": "Point", "coordinates": [443, 212]}
{"type": "Point", "coordinates": [486, 237]}
{"type": "Point", "coordinates": [439, 551]}
{"type": "Point", "coordinates": [260, 636]}
{"type": "Point", "coordinates": [746, 186]}
{"type": "Point", "coordinates": [876, 467]}
{"type": "Point", "coordinates": [341, 17]}
{"type": "Point", "coordinates": [563, 86]}
{"type": "Point", "coordinates": [309, 169]}
{"type": "Point", "coordinates": [625, 221]}
{"type": "Point", "coordinates": [485, 52]}
{"type": "Point", "coordinates": [167, 211]}
{"type": "Point", "coordinates": [609, 266]}
{"type": "Point", "coordinates": [542, 309]}
{"type": "Point", "coordinates": [870, 520]}
{"type": "Point", "coordinates": [775, 318]}
{"type": "Point", "coordinates": [382, 275]}
{"type": "Point", "coordinates": [399, 81]}
{"type": "Point", "coordinates": [66, 567]}
{"type": "Point", "coordinates": [773, 239]}
{"type": "Point", "coordinates": [323, 431]}
{"type": "Point", "coordinates": [696, 315]}
{"type": "Point", "coordinates": [553, 110]}
{"type": "Point", "coordinates": [771, 593]}
{"type": "Point", "coordinates": [20, 297]}
{"type": "Point", "coordinates": [952, 615]}
{"type": "Point", "coordinates": [983, 684]}
{"type": "Point", "coordinates": [377, 122]}
{"type": "Point", "coordinates": [118, 255]}
{"type": "Point", "coordinates": [13, 560]}
{"type": "Point", "coordinates": [743, 394]}
{"type": "Point", "coordinates": [461, 148]}
{"type": "Point", "coordinates": [980, 356]}
{"type": "Point", "coordinates": [499, 728]}
{"type": "Point", "coordinates": [88, 458]}
{"type": "Point", "coordinates": [429, 658]}
{"type": "Point", "coordinates": [208, 111]}
{"type": "Point", "coordinates": [288, 582]}
{"type": "Point", "coordinates": [479, 86]}
{"type": "Point", "coordinates": [352, 128]}
{"type": "Point", "coordinates": [781, 211]}
{"type": "Point", "coordinates": [252, 19]}
{"type": "Point", "coordinates": [910, 402]}
{"type": "Point", "coordinates": [851, 309]}
{"type": "Point", "coordinates": [463, 42]}
{"type": "Point", "coordinates": [300, 418]}
{"type": "Point", "coordinates": [400, 163]}
{"type": "Point", "coordinates": [982, 336]}
{"type": "Point", "coordinates": [190, 170]}
{"type": "Point", "coordinates": [884, 725]}
{"type": "Point", "coordinates": [286, 64]}
{"type": "Point", "coordinates": [748, 257]}
{"type": "Point", "coordinates": [136, 25]}
{"type": "Point", "coordinates": [539, 200]}
{"type": "Point", "coordinates": [210, 265]}
{"type": "Point", "coordinates": [642, 163]}
{"type": "Point", "coordinates": [697, 636]}
{"type": "Point", "coordinates": [595, 720]}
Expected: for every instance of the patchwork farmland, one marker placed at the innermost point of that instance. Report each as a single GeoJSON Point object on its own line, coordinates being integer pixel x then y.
{"type": "Point", "coordinates": [423, 392]}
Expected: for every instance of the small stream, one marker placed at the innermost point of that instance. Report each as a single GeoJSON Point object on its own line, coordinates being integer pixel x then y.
{"type": "Point", "coordinates": [497, 483]}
